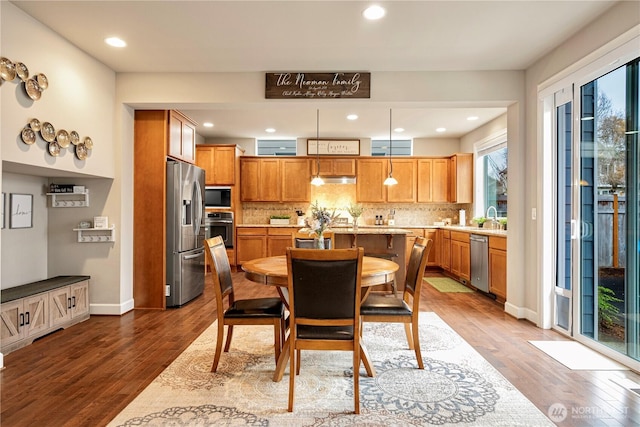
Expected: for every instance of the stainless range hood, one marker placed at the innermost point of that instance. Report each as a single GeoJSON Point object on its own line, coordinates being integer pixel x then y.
{"type": "Point", "coordinates": [339, 179]}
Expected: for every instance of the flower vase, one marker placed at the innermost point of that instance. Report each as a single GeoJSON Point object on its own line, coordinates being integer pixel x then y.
{"type": "Point", "coordinates": [355, 223]}
{"type": "Point", "coordinates": [318, 242]}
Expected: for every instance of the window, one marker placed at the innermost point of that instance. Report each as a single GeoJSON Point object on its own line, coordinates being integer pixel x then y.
{"type": "Point", "coordinates": [401, 147]}
{"type": "Point", "coordinates": [491, 174]}
{"type": "Point", "coordinates": [276, 147]}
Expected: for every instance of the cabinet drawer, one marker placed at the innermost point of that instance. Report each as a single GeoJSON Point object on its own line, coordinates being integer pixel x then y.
{"type": "Point", "coordinates": [284, 231]}
{"type": "Point", "coordinates": [251, 231]}
{"type": "Point", "coordinates": [498, 243]}
{"type": "Point", "coordinates": [460, 236]}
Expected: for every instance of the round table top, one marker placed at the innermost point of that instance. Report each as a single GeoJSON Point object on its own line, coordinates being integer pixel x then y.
{"type": "Point", "coordinates": [273, 270]}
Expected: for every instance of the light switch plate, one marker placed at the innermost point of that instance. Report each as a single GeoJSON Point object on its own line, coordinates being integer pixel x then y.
{"type": "Point", "coordinates": [533, 214]}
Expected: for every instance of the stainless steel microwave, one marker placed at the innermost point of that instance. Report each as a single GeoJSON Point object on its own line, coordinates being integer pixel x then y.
{"type": "Point", "coordinates": [217, 197]}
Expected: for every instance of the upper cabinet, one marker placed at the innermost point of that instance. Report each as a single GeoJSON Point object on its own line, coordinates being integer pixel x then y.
{"type": "Point", "coordinates": [433, 180]}
{"type": "Point", "coordinates": [461, 178]}
{"type": "Point", "coordinates": [218, 162]}
{"type": "Point", "coordinates": [295, 184]}
{"type": "Point", "coordinates": [259, 179]}
{"type": "Point", "coordinates": [182, 137]}
{"type": "Point", "coordinates": [371, 173]}
{"type": "Point", "coordinates": [334, 167]}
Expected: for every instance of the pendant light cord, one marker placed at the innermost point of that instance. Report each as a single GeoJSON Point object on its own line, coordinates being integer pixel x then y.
{"type": "Point", "coordinates": [390, 147]}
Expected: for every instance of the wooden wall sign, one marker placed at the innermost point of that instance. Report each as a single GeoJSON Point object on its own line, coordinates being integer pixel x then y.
{"type": "Point", "coordinates": [287, 85]}
{"type": "Point", "coordinates": [333, 147]}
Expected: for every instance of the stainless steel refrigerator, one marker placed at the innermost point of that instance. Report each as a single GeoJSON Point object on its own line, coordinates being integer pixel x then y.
{"type": "Point", "coordinates": [185, 232]}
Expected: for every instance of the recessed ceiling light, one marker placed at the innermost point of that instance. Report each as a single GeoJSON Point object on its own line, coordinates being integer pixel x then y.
{"type": "Point", "coordinates": [472, 118]}
{"type": "Point", "coordinates": [270, 130]}
{"type": "Point", "coordinates": [352, 117]}
{"type": "Point", "coordinates": [441, 129]}
{"type": "Point", "coordinates": [207, 124]}
{"type": "Point", "coordinates": [115, 42]}
{"type": "Point", "coordinates": [398, 130]}
{"type": "Point", "coordinates": [374, 12]}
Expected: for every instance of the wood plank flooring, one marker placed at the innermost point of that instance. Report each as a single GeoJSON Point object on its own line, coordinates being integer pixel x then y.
{"type": "Point", "coordinates": [85, 375]}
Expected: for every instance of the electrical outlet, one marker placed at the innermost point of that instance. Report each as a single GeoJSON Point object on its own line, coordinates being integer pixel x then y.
{"type": "Point", "coordinates": [167, 291]}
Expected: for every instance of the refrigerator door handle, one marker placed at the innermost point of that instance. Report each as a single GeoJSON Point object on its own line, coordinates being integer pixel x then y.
{"type": "Point", "coordinates": [197, 212]}
{"type": "Point", "coordinates": [196, 255]}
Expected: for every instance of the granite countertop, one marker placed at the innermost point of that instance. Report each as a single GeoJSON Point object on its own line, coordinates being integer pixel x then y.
{"type": "Point", "coordinates": [384, 229]}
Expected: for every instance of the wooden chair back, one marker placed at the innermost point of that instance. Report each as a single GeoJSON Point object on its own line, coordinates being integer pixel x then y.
{"type": "Point", "coordinates": [415, 269]}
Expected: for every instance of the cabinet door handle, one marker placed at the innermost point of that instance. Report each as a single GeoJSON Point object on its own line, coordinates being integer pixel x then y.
{"type": "Point", "coordinates": [28, 319]}
{"type": "Point", "coordinates": [69, 303]}
{"type": "Point", "coordinates": [21, 319]}
{"type": "Point", "coordinates": [74, 301]}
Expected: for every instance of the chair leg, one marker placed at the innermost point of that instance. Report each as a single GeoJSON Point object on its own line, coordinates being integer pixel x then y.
{"type": "Point", "coordinates": [277, 335]}
{"type": "Point", "coordinates": [356, 379]}
{"type": "Point", "coordinates": [219, 339]}
{"type": "Point", "coordinates": [229, 336]}
{"type": "Point", "coordinates": [416, 342]}
{"type": "Point", "coordinates": [298, 361]}
{"type": "Point", "coordinates": [292, 370]}
{"type": "Point", "coordinates": [407, 330]}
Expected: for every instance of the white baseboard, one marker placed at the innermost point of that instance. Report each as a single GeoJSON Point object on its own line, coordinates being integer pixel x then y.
{"type": "Point", "coordinates": [111, 309]}
{"type": "Point", "coordinates": [521, 312]}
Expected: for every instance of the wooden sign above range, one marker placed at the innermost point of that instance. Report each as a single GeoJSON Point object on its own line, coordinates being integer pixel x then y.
{"type": "Point", "coordinates": [287, 85]}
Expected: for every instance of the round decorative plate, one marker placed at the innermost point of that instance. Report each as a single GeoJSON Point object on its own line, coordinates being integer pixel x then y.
{"type": "Point", "coordinates": [7, 69]}
{"type": "Point", "coordinates": [35, 124]}
{"type": "Point", "coordinates": [48, 132]}
{"type": "Point", "coordinates": [42, 80]}
{"type": "Point", "coordinates": [63, 138]}
{"type": "Point", "coordinates": [33, 89]}
{"type": "Point", "coordinates": [22, 71]}
{"type": "Point", "coordinates": [54, 149]}
{"type": "Point", "coordinates": [88, 142]}
{"type": "Point", "coordinates": [28, 136]}
{"type": "Point", "coordinates": [74, 137]}
{"type": "Point", "coordinates": [81, 151]}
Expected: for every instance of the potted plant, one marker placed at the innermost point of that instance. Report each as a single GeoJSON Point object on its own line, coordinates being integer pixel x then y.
{"type": "Point", "coordinates": [279, 219]}
{"type": "Point", "coordinates": [480, 220]}
{"type": "Point", "coordinates": [503, 223]}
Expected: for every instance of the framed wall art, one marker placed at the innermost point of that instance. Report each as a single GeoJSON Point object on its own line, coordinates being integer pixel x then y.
{"type": "Point", "coordinates": [21, 211]}
{"type": "Point", "coordinates": [333, 147]}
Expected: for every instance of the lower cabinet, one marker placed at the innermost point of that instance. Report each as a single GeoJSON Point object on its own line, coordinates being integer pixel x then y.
{"type": "Point", "coordinates": [498, 267]}
{"type": "Point", "coordinates": [445, 249]}
{"type": "Point", "coordinates": [251, 243]}
{"type": "Point", "coordinates": [24, 319]}
{"type": "Point", "coordinates": [278, 240]}
{"type": "Point", "coordinates": [460, 255]}
{"type": "Point", "coordinates": [432, 261]}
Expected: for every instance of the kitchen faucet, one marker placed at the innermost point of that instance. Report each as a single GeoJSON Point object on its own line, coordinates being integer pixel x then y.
{"type": "Point", "coordinates": [494, 220]}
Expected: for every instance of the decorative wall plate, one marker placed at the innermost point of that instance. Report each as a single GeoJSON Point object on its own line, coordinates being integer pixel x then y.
{"type": "Point", "coordinates": [74, 137]}
{"type": "Point", "coordinates": [35, 125]}
{"type": "Point", "coordinates": [88, 142]}
{"type": "Point", "coordinates": [28, 136]}
{"type": "Point", "coordinates": [33, 89]}
{"type": "Point", "coordinates": [81, 151]}
{"type": "Point", "coordinates": [7, 69]}
{"type": "Point", "coordinates": [22, 71]}
{"type": "Point", "coordinates": [42, 81]}
{"type": "Point", "coordinates": [48, 132]}
{"type": "Point", "coordinates": [54, 149]}
{"type": "Point", "coordinates": [62, 137]}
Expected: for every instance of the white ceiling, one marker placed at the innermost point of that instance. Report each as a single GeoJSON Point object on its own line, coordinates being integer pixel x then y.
{"type": "Point", "coordinates": [269, 36]}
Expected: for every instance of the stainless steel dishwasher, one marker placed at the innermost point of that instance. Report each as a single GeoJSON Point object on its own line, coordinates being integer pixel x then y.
{"type": "Point", "coordinates": [479, 261]}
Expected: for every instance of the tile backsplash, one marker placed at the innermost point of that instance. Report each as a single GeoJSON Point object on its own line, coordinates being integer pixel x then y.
{"type": "Point", "coordinates": [339, 196]}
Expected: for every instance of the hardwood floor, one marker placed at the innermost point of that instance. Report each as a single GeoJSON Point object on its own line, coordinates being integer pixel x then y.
{"type": "Point", "coordinates": [85, 375]}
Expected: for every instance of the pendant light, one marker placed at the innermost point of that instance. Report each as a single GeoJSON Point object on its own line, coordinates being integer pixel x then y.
{"type": "Point", "coordinates": [317, 181]}
{"type": "Point", "coordinates": [390, 179]}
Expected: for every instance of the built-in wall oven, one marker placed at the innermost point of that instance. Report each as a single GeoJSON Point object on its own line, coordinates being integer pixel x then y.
{"type": "Point", "coordinates": [220, 224]}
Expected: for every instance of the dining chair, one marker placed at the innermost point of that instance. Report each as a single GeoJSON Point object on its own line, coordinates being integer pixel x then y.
{"type": "Point", "coordinates": [324, 307]}
{"type": "Point", "coordinates": [302, 239]}
{"type": "Point", "coordinates": [256, 311]}
{"type": "Point", "coordinates": [380, 308]}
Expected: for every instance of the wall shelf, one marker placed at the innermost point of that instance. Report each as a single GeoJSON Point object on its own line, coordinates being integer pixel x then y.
{"type": "Point", "coordinates": [64, 200]}
{"type": "Point", "coordinates": [96, 235]}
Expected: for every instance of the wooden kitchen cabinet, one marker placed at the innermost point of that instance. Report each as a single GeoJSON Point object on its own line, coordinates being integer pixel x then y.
{"type": "Point", "coordinates": [406, 172]}
{"type": "Point", "coordinates": [260, 180]}
{"type": "Point", "coordinates": [433, 180]}
{"type": "Point", "coordinates": [370, 174]}
{"type": "Point", "coordinates": [460, 255]}
{"type": "Point", "coordinates": [334, 167]}
{"type": "Point", "coordinates": [498, 267]}
{"type": "Point", "coordinates": [218, 162]}
{"type": "Point", "coordinates": [296, 178]}
{"type": "Point", "coordinates": [411, 238]}
{"type": "Point", "coordinates": [278, 240]}
{"type": "Point", "coordinates": [461, 178]}
{"type": "Point", "coordinates": [445, 249]}
{"type": "Point", "coordinates": [182, 137]}
{"type": "Point", "coordinates": [251, 243]}
{"type": "Point", "coordinates": [432, 260]}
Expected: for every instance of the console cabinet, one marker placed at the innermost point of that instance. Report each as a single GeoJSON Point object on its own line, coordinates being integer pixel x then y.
{"type": "Point", "coordinates": [30, 311]}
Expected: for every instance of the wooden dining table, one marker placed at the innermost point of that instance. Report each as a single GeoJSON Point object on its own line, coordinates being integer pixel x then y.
{"type": "Point", "coordinates": [273, 271]}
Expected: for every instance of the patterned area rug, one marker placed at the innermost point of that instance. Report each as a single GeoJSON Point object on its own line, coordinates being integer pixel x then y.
{"type": "Point", "coordinates": [445, 284]}
{"type": "Point", "coordinates": [457, 386]}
